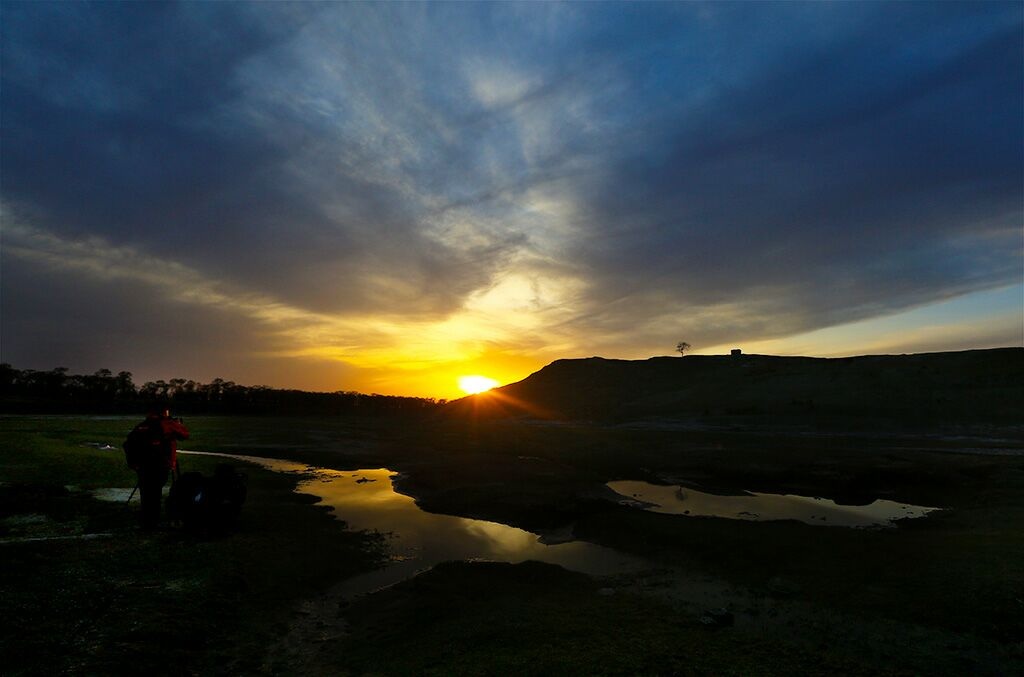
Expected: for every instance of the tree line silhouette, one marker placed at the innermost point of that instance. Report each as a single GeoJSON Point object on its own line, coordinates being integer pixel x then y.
{"type": "Point", "coordinates": [57, 391]}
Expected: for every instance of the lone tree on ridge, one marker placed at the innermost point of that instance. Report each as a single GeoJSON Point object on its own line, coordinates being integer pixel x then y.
{"type": "Point", "coordinates": [682, 347]}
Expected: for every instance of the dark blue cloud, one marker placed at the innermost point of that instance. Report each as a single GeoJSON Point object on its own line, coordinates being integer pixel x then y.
{"type": "Point", "coordinates": [849, 182]}
{"type": "Point", "coordinates": [133, 124]}
{"type": "Point", "coordinates": [104, 107]}
{"type": "Point", "coordinates": [803, 164]}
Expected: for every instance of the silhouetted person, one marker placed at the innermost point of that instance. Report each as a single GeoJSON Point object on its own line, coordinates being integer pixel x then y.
{"type": "Point", "coordinates": [152, 451]}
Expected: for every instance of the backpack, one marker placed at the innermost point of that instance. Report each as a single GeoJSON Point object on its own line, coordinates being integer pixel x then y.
{"type": "Point", "coordinates": [186, 500]}
{"type": "Point", "coordinates": [144, 443]}
{"type": "Point", "coordinates": [225, 494]}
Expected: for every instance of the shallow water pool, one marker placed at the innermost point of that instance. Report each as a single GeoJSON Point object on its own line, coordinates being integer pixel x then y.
{"type": "Point", "coordinates": [677, 500]}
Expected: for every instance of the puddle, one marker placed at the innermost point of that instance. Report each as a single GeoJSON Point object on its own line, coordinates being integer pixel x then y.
{"type": "Point", "coordinates": [676, 500]}
{"type": "Point", "coordinates": [43, 539]}
{"type": "Point", "coordinates": [112, 494]}
{"type": "Point", "coordinates": [121, 494]}
{"type": "Point", "coordinates": [27, 519]}
{"type": "Point", "coordinates": [366, 499]}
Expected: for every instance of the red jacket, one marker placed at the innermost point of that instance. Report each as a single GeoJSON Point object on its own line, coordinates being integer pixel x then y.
{"type": "Point", "coordinates": [161, 450]}
{"type": "Point", "coordinates": [174, 430]}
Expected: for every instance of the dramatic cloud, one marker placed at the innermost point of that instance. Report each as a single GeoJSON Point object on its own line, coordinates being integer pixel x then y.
{"type": "Point", "coordinates": [405, 189]}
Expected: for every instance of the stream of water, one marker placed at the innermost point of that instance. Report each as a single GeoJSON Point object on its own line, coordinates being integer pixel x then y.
{"type": "Point", "coordinates": [366, 499]}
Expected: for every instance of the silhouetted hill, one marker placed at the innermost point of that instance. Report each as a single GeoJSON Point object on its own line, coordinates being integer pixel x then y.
{"type": "Point", "coordinates": [968, 386]}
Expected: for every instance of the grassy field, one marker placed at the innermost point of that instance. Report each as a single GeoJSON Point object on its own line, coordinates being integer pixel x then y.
{"type": "Point", "coordinates": [944, 595]}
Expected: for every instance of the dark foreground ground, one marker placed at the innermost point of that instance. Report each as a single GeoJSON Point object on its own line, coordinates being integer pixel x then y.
{"type": "Point", "coordinates": [943, 595]}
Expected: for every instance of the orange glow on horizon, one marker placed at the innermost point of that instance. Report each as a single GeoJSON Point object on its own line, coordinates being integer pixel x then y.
{"type": "Point", "coordinates": [476, 384]}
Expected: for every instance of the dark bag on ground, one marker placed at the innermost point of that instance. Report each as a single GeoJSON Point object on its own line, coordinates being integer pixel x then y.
{"type": "Point", "coordinates": [207, 503]}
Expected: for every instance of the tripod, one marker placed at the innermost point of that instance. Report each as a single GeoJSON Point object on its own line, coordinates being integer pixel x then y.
{"type": "Point", "coordinates": [175, 475]}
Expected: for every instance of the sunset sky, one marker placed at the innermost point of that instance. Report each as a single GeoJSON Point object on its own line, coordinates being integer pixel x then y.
{"type": "Point", "coordinates": [384, 197]}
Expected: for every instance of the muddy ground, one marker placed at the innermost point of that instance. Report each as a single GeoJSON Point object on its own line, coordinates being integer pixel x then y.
{"type": "Point", "coordinates": [944, 595]}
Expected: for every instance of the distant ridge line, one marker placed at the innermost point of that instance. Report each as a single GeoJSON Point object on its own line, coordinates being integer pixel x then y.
{"type": "Point", "coordinates": [957, 386]}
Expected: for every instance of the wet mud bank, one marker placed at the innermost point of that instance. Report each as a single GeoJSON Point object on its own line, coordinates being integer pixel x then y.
{"type": "Point", "coordinates": [936, 595]}
{"type": "Point", "coordinates": [936, 571]}
{"type": "Point", "coordinates": [543, 478]}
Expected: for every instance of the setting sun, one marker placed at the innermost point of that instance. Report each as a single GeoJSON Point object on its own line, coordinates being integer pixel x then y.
{"type": "Point", "coordinates": [476, 384]}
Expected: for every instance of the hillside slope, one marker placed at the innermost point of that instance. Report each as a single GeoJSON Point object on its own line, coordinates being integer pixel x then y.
{"type": "Point", "coordinates": [968, 386]}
